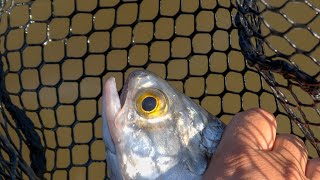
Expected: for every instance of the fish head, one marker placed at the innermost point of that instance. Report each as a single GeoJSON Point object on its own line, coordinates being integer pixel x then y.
{"type": "Point", "coordinates": [146, 102]}
{"type": "Point", "coordinates": [153, 128]}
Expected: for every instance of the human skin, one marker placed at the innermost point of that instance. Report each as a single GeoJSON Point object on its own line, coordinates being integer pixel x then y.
{"type": "Point", "coordinates": [250, 149]}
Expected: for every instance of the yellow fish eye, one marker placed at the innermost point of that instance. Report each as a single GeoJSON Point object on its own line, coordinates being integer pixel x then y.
{"type": "Point", "coordinates": [151, 103]}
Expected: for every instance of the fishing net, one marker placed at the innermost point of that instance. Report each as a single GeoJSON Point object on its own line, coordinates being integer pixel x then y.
{"type": "Point", "coordinates": [227, 56]}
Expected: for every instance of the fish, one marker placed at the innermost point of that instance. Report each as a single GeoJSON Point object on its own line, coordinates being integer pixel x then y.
{"type": "Point", "coordinates": [153, 131]}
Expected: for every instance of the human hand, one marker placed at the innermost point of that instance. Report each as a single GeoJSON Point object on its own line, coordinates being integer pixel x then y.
{"type": "Point", "coordinates": [250, 149]}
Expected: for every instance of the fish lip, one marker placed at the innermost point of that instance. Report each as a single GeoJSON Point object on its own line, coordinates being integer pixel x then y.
{"type": "Point", "coordinates": [125, 89]}
{"type": "Point", "coordinates": [123, 94]}
{"type": "Point", "coordinates": [110, 108]}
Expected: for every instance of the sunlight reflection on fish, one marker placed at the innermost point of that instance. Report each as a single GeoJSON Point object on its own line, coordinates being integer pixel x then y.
{"type": "Point", "coordinates": [155, 132]}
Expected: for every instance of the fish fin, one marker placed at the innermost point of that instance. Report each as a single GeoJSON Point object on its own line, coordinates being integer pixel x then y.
{"type": "Point", "coordinates": [211, 135]}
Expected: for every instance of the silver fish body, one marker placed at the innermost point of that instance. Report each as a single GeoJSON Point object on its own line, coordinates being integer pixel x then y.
{"type": "Point", "coordinates": [155, 132]}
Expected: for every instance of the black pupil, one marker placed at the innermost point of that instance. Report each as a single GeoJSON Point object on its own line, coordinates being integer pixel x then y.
{"type": "Point", "coordinates": [149, 103]}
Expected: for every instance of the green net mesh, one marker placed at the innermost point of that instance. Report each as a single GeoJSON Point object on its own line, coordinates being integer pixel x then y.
{"type": "Point", "coordinates": [56, 55]}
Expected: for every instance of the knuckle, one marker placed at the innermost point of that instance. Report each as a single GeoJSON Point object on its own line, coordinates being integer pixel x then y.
{"type": "Point", "coordinates": [263, 113]}
{"type": "Point", "coordinates": [254, 114]}
{"type": "Point", "coordinates": [257, 111]}
{"type": "Point", "coordinates": [292, 139]}
{"type": "Point", "coordinates": [293, 146]}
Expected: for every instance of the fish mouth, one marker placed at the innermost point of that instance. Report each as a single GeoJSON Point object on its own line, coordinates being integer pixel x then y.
{"type": "Point", "coordinates": [112, 104]}
{"type": "Point", "coordinates": [110, 109]}
{"type": "Point", "coordinates": [131, 79]}
{"type": "Point", "coordinates": [124, 93]}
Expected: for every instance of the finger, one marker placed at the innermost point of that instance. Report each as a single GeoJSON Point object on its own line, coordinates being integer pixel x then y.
{"type": "Point", "coordinates": [313, 169]}
{"type": "Point", "coordinates": [254, 128]}
{"type": "Point", "coordinates": [292, 148]}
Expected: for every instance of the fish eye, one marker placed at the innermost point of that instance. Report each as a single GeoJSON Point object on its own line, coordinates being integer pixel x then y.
{"type": "Point", "coordinates": [151, 103]}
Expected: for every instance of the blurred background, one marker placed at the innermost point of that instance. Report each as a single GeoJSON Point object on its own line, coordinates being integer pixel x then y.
{"type": "Point", "coordinates": [56, 55]}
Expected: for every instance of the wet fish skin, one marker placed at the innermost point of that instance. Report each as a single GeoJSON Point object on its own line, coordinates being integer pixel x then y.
{"type": "Point", "coordinates": [174, 144]}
